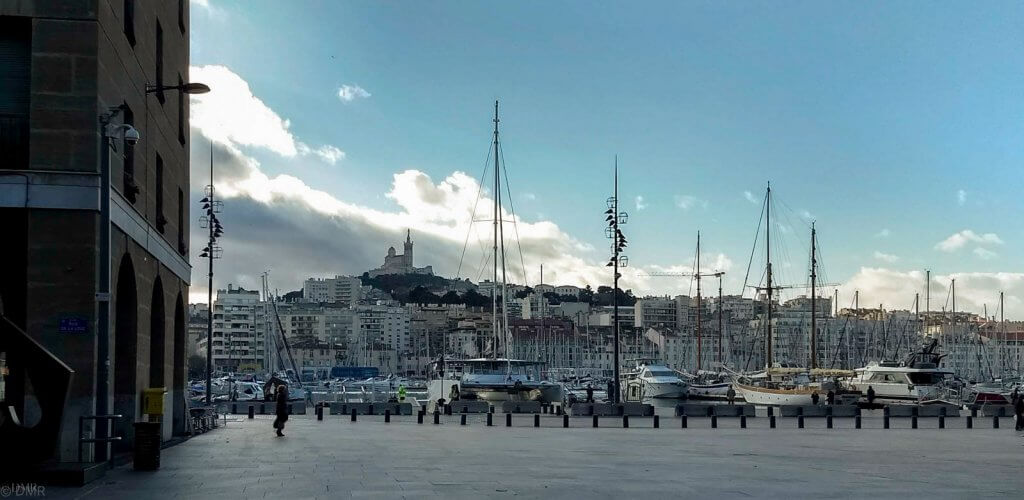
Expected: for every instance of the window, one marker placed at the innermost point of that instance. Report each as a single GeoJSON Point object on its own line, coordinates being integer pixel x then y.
{"type": "Point", "coordinates": [129, 189]}
{"type": "Point", "coordinates": [159, 62]}
{"type": "Point", "coordinates": [181, 16]}
{"type": "Point", "coordinates": [161, 221]}
{"type": "Point", "coordinates": [129, 21]}
{"type": "Point", "coordinates": [181, 111]}
{"type": "Point", "coordinates": [15, 59]}
{"type": "Point", "coordinates": [181, 222]}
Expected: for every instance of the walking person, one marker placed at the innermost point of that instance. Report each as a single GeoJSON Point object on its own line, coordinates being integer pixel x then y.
{"type": "Point", "coordinates": [1018, 410]}
{"type": "Point", "coordinates": [731, 394]}
{"type": "Point", "coordinates": [830, 398]}
{"type": "Point", "coordinates": [282, 409]}
{"type": "Point", "coordinates": [590, 393]}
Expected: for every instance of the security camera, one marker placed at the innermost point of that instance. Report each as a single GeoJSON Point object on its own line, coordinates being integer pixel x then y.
{"type": "Point", "coordinates": [131, 136]}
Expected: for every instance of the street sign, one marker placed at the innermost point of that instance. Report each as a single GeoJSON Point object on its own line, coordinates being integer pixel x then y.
{"type": "Point", "coordinates": [73, 325]}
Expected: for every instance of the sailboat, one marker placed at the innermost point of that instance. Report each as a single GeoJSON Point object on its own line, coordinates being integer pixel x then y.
{"type": "Point", "coordinates": [796, 389]}
{"type": "Point", "coordinates": [498, 377]}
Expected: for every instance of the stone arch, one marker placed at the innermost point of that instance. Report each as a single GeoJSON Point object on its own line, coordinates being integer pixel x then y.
{"type": "Point", "coordinates": [157, 335]}
{"type": "Point", "coordinates": [126, 346]}
{"type": "Point", "coordinates": [178, 386]}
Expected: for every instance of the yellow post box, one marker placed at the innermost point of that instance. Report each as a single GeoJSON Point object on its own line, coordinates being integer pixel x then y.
{"type": "Point", "coordinates": [153, 400]}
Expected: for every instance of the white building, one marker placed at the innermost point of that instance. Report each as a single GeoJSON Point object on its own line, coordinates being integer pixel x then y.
{"type": "Point", "coordinates": [337, 290]}
{"type": "Point", "coordinates": [238, 333]}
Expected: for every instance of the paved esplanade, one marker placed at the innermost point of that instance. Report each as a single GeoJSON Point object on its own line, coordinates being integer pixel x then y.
{"type": "Point", "coordinates": [336, 458]}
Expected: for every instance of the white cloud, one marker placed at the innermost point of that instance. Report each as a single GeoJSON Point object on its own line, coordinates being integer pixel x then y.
{"type": "Point", "coordinates": [686, 202]}
{"type": "Point", "coordinates": [750, 197]}
{"type": "Point", "coordinates": [961, 197]}
{"type": "Point", "coordinates": [529, 196]}
{"type": "Point", "coordinates": [957, 241]}
{"type": "Point", "coordinates": [806, 215]}
{"type": "Point", "coordinates": [985, 254]}
{"type": "Point", "coordinates": [349, 93]}
{"type": "Point", "coordinates": [201, 3]}
{"type": "Point", "coordinates": [887, 257]}
{"type": "Point", "coordinates": [330, 154]}
{"type": "Point", "coordinates": [895, 289]}
{"type": "Point", "coordinates": [640, 203]}
{"type": "Point", "coordinates": [884, 233]}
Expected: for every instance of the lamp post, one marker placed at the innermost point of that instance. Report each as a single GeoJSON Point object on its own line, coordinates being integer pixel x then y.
{"type": "Point", "coordinates": [212, 207]}
{"type": "Point", "coordinates": [615, 219]}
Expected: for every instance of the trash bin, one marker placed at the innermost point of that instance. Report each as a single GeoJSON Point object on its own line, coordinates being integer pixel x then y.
{"type": "Point", "coordinates": [147, 446]}
{"type": "Point", "coordinates": [153, 400]}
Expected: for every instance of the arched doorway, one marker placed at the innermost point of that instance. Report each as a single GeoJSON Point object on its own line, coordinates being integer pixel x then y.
{"type": "Point", "coordinates": [178, 392]}
{"type": "Point", "coordinates": [157, 335]}
{"type": "Point", "coordinates": [126, 338]}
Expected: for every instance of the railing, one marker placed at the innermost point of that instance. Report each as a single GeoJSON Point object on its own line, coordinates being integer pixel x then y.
{"type": "Point", "coordinates": [108, 419]}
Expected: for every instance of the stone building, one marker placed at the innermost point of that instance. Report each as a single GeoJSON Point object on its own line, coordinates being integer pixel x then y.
{"type": "Point", "coordinates": [63, 65]}
{"type": "Point", "coordinates": [400, 264]}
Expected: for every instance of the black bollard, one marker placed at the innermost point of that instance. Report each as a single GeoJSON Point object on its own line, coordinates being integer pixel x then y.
{"type": "Point", "coordinates": [714, 421]}
{"type": "Point", "coordinates": [771, 421]}
{"type": "Point", "coordinates": [913, 421]}
{"type": "Point", "coordinates": [683, 420]}
{"type": "Point", "coordinates": [536, 420]}
{"type": "Point", "coordinates": [942, 421]}
{"type": "Point", "coordinates": [828, 421]}
{"type": "Point", "coordinates": [369, 411]}
{"type": "Point", "coordinates": [625, 421]}
{"type": "Point", "coordinates": [252, 411]}
{"type": "Point", "coordinates": [885, 422]}
{"type": "Point", "coordinates": [437, 417]}
{"type": "Point", "coordinates": [800, 421]}
{"type": "Point", "coordinates": [353, 414]}
{"type": "Point", "coordinates": [657, 422]}
{"type": "Point", "coordinates": [743, 421]}
{"type": "Point", "coordinates": [970, 422]}
{"type": "Point", "coordinates": [995, 422]}
{"type": "Point", "coordinates": [319, 412]}
{"type": "Point", "coordinates": [419, 417]}
{"type": "Point", "coordinates": [856, 422]}
{"type": "Point", "coordinates": [387, 416]}
{"type": "Point", "coordinates": [595, 421]}
{"type": "Point", "coordinates": [490, 419]}
{"type": "Point", "coordinates": [462, 418]}
{"type": "Point", "coordinates": [508, 420]}
{"type": "Point", "coordinates": [565, 421]}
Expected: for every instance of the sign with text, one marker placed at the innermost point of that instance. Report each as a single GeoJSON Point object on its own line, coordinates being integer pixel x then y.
{"type": "Point", "coordinates": [73, 325]}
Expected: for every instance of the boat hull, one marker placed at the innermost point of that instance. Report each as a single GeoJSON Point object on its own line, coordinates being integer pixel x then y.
{"type": "Point", "coordinates": [664, 390]}
{"type": "Point", "coordinates": [774, 397]}
{"type": "Point", "coordinates": [709, 391]}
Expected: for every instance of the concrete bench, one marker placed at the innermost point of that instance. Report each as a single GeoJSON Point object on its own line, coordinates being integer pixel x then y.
{"type": "Point", "coordinates": [520, 407]}
{"type": "Point", "coordinates": [938, 411]}
{"type": "Point", "coordinates": [469, 406]}
{"type": "Point", "coordinates": [264, 407]}
{"type": "Point", "coordinates": [369, 408]}
{"type": "Point", "coordinates": [581, 409]}
{"type": "Point", "coordinates": [997, 411]}
{"type": "Point", "coordinates": [802, 410]}
{"type": "Point", "coordinates": [636, 409]}
{"type": "Point", "coordinates": [707, 410]}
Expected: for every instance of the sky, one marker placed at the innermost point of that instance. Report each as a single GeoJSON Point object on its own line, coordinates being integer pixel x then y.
{"type": "Point", "coordinates": [895, 128]}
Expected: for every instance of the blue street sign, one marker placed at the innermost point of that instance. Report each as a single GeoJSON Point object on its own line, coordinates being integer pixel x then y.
{"type": "Point", "coordinates": [73, 325]}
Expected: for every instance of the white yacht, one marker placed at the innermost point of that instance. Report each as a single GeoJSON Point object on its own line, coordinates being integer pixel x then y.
{"type": "Point", "coordinates": [653, 380]}
{"type": "Point", "coordinates": [919, 378]}
{"type": "Point", "coordinates": [493, 380]}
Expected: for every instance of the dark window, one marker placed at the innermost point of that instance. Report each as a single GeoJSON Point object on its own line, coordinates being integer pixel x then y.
{"type": "Point", "coordinates": [181, 111]}
{"type": "Point", "coordinates": [129, 21]}
{"type": "Point", "coordinates": [129, 188]}
{"type": "Point", "coordinates": [159, 62]}
{"type": "Point", "coordinates": [15, 59]}
{"type": "Point", "coordinates": [181, 222]}
{"type": "Point", "coordinates": [181, 16]}
{"type": "Point", "coordinates": [161, 221]}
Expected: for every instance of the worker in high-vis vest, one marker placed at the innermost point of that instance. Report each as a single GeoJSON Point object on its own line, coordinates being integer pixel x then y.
{"type": "Point", "coordinates": [401, 394]}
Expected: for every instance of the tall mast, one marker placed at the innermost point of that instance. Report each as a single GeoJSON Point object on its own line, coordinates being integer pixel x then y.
{"type": "Point", "coordinates": [768, 253]}
{"type": "Point", "coordinates": [814, 275]}
{"type": "Point", "coordinates": [719, 320]}
{"type": "Point", "coordinates": [700, 350]}
{"type": "Point", "coordinates": [494, 248]}
{"type": "Point", "coordinates": [615, 281]}
{"type": "Point", "coordinates": [927, 295]}
{"type": "Point", "coordinates": [1002, 338]}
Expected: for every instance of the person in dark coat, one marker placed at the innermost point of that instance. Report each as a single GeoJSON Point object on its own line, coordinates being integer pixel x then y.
{"type": "Point", "coordinates": [282, 409]}
{"type": "Point", "coordinates": [871, 394]}
{"type": "Point", "coordinates": [1018, 410]}
{"type": "Point", "coordinates": [590, 394]}
{"type": "Point", "coordinates": [814, 398]}
{"type": "Point", "coordinates": [830, 397]}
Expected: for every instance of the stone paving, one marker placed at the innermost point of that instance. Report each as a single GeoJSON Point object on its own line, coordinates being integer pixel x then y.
{"type": "Point", "coordinates": [337, 458]}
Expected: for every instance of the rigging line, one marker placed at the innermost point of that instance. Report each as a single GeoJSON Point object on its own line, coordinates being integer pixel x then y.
{"type": "Point", "coordinates": [512, 208]}
{"type": "Point", "coordinates": [757, 235]}
{"type": "Point", "coordinates": [479, 192]}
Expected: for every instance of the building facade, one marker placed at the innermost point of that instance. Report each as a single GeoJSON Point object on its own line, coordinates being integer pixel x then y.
{"type": "Point", "coordinates": [400, 264]}
{"type": "Point", "coordinates": [64, 65]}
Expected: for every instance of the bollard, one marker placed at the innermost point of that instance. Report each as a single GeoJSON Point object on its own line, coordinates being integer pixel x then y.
{"type": "Point", "coordinates": [595, 421]}
{"type": "Point", "coordinates": [508, 420]}
{"type": "Point", "coordinates": [913, 421]}
{"type": "Point", "coordinates": [683, 419]}
{"type": "Point", "coordinates": [565, 420]}
{"type": "Point", "coordinates": [625, 421]}
{"type": "Point", "coordinates": [714, 421]}
{"type": "Point", "coordinates": [536, 420]}
{"type": "Point", "coordinates": [657, 422]}
{"type": "Point", "coordinates": [319, 412]}
{"type": "Point", "coordinates": [369, 411]}
{"type": "Point", "coordinates": [800, 421]}
{"type": "Point", "coordinates": [995, 422]}
{"type": "Point", "coordinates": [387, 416]}
{"type": "Point", "coordinates": [490, 418]}
{"type": "Point", "coordinates": [353, 414]}
{"type": "Point", "coordinates": [970, 422]}
{"type": "Point", "coordinates": [942, 421]}
{"type": "Point", "coordinates": [252, 412]}
{"type": "Point", "coordinates": [885, 422]}
{"type": "Point", "coordinates": [419, 417]}
{"type": "Point", "coordinates": [828, 421]}
{"type": "Point", "coordinates": [743, 421]}
{"type": "Point", "coordinates": [856, 422]}
{"type": "Point", "coordinates": [771, 421]}
{"type": "Point", "coordinates": [437, 417]}
{"type": "Point", "coordinates": [462, 419]}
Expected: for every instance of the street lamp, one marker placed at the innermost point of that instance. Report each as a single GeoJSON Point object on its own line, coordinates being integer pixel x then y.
{"type": "Point", "coordinates": [187, 88]}
{"type": "Point", "coordinates": [211, 251]}
{"type": "Point", "coordinates": [614, 218]}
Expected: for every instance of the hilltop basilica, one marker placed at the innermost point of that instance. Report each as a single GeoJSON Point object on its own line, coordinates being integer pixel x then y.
{"type": "Point", "coordinates": [400, 263]}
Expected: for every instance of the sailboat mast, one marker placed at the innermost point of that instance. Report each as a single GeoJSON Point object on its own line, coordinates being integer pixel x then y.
{"type": "Point", "coordinates": [768, 254]}
{"type": "Point", "coordinates": [814, 275]}
{"type": "Point", "coordinates": [494, 248]}
{"type": "Point", "coordinates": [615, 281]}
{"type": "Point", "coordinates": [700, 349]}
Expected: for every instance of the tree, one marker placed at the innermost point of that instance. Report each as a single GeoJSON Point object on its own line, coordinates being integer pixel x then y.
{"type": "Point", "coordinates": [452, 297]}
{"type": "Point", "coordinates": [474, 299]}
{"type": "Point", "coordinates": [587, 295]}
{"type": "Point", "coordinates": [420, 295]}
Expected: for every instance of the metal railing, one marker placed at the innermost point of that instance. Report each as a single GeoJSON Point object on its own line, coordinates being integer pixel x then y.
{"type": "Point", "coordinates": [108, 420]}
